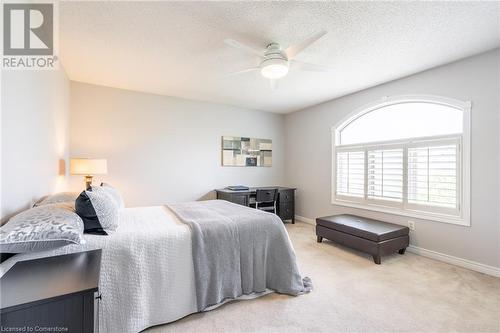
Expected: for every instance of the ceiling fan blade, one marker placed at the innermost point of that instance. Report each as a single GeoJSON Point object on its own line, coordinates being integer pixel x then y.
{"type": "Point", "coordinates": [310, 67]}
{"type": "Point", "coordinates": [274, 84]}
{"type": "Point", "coordinates": [243, 71]}
{"type": "Point", "coordinates": [293, 50]}
{"type": "Point", "coordinates": [243, 47]}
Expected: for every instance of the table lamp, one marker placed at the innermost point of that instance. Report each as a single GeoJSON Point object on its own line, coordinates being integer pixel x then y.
{"type": "Point", "coordinates": [88, 167]}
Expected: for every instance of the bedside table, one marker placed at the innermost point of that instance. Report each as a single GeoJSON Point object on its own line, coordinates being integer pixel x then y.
{"type": "Point", "coordinates": [53, 294]}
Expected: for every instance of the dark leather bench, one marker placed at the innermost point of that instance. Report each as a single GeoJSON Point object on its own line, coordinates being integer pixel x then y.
{"type": "Point", "coordinates": [367, 235]}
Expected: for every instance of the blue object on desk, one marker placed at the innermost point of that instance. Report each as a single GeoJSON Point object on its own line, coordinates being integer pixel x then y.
{"type": "Point", "coordinates": [238, 188]}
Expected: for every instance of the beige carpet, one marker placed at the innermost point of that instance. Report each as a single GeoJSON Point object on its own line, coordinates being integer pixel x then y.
{"type": "Point", "coordinates": [406, 293]}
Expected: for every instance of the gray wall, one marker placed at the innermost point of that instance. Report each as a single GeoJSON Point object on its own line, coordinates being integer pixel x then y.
{"type": "Point", "coordinates": [308, 155]}
{"type": "Point", "coordinates": [163, 149]}
{"type": "Point", "coordinates": [34, 132]}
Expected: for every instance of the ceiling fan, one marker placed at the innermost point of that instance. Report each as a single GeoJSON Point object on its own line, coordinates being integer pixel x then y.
{"type": "Point", "coordinates": [276, 61]}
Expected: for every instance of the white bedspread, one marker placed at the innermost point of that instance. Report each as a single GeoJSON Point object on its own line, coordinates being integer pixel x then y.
{"type": "Point", "coordinates": [149, 248]}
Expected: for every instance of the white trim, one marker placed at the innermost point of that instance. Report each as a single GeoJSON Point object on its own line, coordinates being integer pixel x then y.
{"type": "Point", "coordinates": [422, 215]}
{"type": "Point", "coordinates": [305, 219]}
{"type": "Point", "coordinates": [468, 264]}
{"type": "Point", "coordinates": [464, 167]}
{"type": "Point", "coordinates": [466, 162]}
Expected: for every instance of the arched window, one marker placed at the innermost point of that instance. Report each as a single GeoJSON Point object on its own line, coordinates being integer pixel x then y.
{"type": "Point", "coordinates": [407, 155]}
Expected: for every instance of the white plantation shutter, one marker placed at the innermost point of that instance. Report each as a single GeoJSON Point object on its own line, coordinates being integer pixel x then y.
{"type": "Point", "coordinates": [385, 174]}
{"type": "Point", "coordinates": [433, 175]}
{"type": "Point", "coordinates": [411, 176]}
{"type": "Point", "coordinates": [351, 173]}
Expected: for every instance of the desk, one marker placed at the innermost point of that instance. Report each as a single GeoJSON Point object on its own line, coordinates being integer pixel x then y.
{"type": "Point", "coordinates": [286, 199]}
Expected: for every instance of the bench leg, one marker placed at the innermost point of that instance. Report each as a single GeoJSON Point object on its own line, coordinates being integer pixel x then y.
{"type": "Point", "coordinates": [319, 239]}
{"type": "Point", "coordinates": [402, 251]}
{"type": "Point", "coordinates": [377, 259]}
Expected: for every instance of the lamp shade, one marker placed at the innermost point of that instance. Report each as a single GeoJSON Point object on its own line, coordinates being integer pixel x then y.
{"type": "Point", "coordinates": [88, 166]}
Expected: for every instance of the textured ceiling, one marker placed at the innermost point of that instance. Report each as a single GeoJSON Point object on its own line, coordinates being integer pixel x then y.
{"type": "Point", "coordinates": [177, 49]}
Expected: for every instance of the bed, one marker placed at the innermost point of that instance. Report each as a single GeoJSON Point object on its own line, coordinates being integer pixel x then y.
{"type": "Point", "coordinates": [149, 275]}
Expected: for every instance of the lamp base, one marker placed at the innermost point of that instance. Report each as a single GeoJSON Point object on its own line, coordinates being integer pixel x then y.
{"type": "Point", "coordinates": [88, 182]}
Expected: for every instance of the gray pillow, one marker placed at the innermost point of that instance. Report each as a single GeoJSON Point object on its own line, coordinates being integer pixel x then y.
{"type": "Point", "coordinates": [57, 198]}
{"type": "Point", "coordinates": [98, 210]}
{"type": "Point", "coordinates": [113, 192]}
{"type": "Point", "coordinates": [41, 228]}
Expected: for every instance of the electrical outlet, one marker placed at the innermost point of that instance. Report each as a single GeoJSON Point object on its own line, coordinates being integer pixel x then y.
{"type": "Point", "coordinates": [411, 225]}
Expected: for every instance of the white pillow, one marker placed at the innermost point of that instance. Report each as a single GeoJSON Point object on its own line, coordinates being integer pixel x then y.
{"type": "Point", "coordinates": [41, 228]}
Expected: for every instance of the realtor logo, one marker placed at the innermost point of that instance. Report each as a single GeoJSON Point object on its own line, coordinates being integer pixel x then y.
{"type": "Point", "coordinates": [28, 29]}
{"type": "Point", "coordinates": [28, 36]}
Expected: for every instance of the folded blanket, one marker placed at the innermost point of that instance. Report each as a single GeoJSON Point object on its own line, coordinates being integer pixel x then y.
{"type": "Point", "coordinates": [238, 251]}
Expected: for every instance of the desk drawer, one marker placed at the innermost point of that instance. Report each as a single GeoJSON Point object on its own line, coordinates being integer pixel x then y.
{"type": "Point", "coordinates": [239, 199]}
{"type": "Point", "coordinates": [287, 196]}
{"type": "Point", "coordinates": [286, 210]}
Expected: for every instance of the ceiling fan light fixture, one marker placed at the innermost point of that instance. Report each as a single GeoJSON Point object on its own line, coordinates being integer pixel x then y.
{"type": "Point", "coordinates": [274, 68]}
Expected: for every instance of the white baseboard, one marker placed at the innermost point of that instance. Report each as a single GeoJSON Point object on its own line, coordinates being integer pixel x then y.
{"type": "Point", "coordinates": [472, 265]}
{"type": "Point", "coordinates": [469, 264]}
{"type": "Point", "coordinates": [305, 219]}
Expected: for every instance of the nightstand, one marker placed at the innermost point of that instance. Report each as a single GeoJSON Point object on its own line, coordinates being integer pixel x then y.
{"type": "Point", "coordinates": [53, 294]}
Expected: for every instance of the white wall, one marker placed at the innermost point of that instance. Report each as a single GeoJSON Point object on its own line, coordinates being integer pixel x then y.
{"type": "Point", "coordinates": [34, 132]}
{"type": "Point", "coordinates": [308, 155]}
{"type": "Point", "coordinates": [162, 149]}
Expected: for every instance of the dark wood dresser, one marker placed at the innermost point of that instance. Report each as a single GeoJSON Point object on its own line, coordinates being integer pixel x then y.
{"type": "Point", "coordinates": [286, 199]}
{"type": "Point", "coordinates": [53, 294]}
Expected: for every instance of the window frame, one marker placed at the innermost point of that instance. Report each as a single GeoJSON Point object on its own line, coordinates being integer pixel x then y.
{"type": "Point", "coordinates": [407, 209]}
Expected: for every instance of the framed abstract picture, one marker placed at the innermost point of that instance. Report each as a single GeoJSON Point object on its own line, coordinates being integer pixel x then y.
{"type": "Point", "coordinates": [242, 151]}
